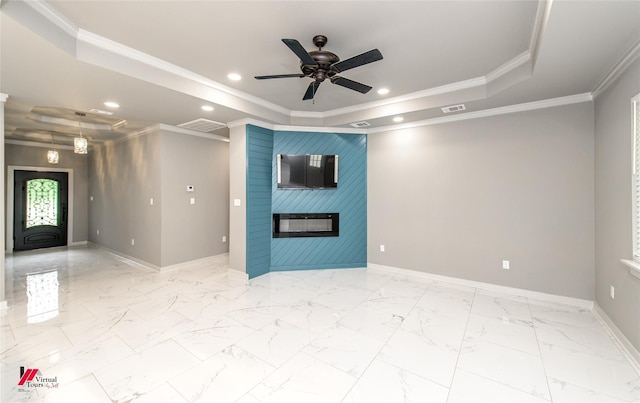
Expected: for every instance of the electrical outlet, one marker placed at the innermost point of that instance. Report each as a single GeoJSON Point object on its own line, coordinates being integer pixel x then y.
{"type": "Point", "coordinates": [97, 232]}
{"type": "Point", "coordinates": [612, 292]}
{"type": "Point", "coordinates": [381, 248]}
{"type": "Point", "coordinates": [505, 264]}
{"type": "Point", "coordinates": [151, 201]}
{"type": "Point", "coordinates": [224, 238]}
{"type": "Point", "coordinates": [133, 242]}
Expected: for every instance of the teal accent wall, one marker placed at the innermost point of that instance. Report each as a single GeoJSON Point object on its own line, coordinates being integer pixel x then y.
{"type": "Point", "coordinates": [349, 199]}
{"type": "Point", "coordinates": [258, 203]}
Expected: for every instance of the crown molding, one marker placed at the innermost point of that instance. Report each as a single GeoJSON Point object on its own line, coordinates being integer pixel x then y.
{"type": "Point", "coordinates": [466, 89]}
{"type": "Point", "coordinates": [528, 56]}
{"type": "Point", "coordinates": [529, 106]}
{"type": "Point", "coordinates": [44, 20]}
{"type": "Point", "coordinates": [168, 128]}
{"type": "Point", "coordinates": [189, 132]}
{"type": "Point", "coordinates": [89, 47]}
{"type": "Point", "coordinates": [71, 123]}
{"type": "Point", "coordinates": [305, 114]}
{"type": "Point", "coordinates": [160, 64]}
{"type": "Point", "coordinates": [250, 121]}
{"type": "Point", "coordinates": [620, 67]}
{"type": "Point", "coordinates": [43, 8]}
{"type": "Point", "coordinates": [539, 27]}
{"type": "Point", "coordinates": [520, 60]}
{"type": "Point", "coordinates": [428, 93]}
{"type": "Point", "coordinates": [290, 128]}
{"type": "Point", "coordinates": [36, 144]}
{"type": "Point", "coordinates": [104, 52]}
{"type": "Point", "coordinates": [312, 129]}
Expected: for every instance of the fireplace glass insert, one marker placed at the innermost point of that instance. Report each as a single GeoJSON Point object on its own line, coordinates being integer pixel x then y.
{"type": "Point", "coordinates": [293, 225]}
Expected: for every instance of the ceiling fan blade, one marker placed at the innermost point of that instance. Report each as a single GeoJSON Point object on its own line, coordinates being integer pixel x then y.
{"type": "Point", "coordinates": [302, 54]}
{"type": "Point", "coordinates": [365, 58]}
{"type": "Point", "coordinates": [352, 85]}
{"type": "Point", "coordinates": [278, 76]}
{"type": "Point", "coordinates": [311, 90]}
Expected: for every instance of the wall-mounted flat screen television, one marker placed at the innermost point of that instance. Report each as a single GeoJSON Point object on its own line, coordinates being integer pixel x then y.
{"type": "Point", "coordinates": [307, 171]}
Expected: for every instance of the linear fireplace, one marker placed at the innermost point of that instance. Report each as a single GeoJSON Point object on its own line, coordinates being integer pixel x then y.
{"type": "Point", "coordinates": [293, 225]}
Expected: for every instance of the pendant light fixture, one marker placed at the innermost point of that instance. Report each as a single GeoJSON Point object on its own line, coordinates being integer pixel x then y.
{"type": "Point", "coordinates": [52, 155]}
{"type": "Point", "coordinates": [80, 144]}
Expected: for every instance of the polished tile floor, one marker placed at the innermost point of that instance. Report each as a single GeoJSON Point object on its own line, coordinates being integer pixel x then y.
{"type": "Point", "coordinates": [102, 329]}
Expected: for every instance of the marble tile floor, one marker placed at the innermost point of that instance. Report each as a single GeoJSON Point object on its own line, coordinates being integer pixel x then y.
{"type": "Point", "coordinates": [104, 329]}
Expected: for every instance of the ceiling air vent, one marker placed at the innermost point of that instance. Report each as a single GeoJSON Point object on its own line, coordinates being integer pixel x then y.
{"type": "Point", "coordinates": [202, 125]}
{"type": "Point", "coordinates": [453, 108]}
{"type": "Point", "coordinates": [361, 124]}
{"type": "Point", "coordinates": [101, 112]}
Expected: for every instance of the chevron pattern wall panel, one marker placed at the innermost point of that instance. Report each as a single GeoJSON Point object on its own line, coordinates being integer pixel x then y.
{"type": "Point", "coordinates": [258, 203]}
{"type": "Point", "coordinates": [349, 199]}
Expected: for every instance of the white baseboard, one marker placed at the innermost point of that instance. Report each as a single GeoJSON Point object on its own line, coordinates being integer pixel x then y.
{"type": "Point", "coordinates": [582, 303]}
{"type": "Point", "coordinates": [628, 350]}
{"type": "Point", "coordinates": [237, 273]}
{"type": "Point", "coordinates": [134, 261]}
{"type": "Point", "coordinates": [79, 243]}
{"type": "Point", "coordinates": [215, 259]}
{"type": "Point", "coordinates": [222, 258]}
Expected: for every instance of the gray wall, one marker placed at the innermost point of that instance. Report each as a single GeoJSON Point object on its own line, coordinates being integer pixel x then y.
{"type": "Point", "coordinates": [191, 232]}
{"type": "Point", "coordinates": [456, 199]}
{"type": "Point", "coordinates": [613, 211]}
{"type": "Point", "coordinates": [20, 155]}
{"type": "Point", "coordinates": [123, 177]}
{"type": "Point", "coordinates": [159, 165]}
{"type": "Point", "coordinates": [238, 190]}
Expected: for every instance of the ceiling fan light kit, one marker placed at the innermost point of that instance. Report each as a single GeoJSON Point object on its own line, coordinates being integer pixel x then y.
{"type": "Point", "coordinates": [321, 65]}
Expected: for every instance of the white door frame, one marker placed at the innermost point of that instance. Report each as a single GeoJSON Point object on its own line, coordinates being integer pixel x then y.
{"type": "Point", "coordinates": [10, 197]}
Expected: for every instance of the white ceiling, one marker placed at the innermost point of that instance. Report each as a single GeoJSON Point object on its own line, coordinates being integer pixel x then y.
{"type": "Point", "coordinates": [162, 60]}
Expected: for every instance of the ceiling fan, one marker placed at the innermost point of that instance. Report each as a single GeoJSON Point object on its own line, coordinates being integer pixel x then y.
{"type": "Point", "coordinates": [321, 64]}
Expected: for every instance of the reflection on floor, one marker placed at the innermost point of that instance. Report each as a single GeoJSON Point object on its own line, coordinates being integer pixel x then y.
{"type": "Point", "coordinates": [100, 329]}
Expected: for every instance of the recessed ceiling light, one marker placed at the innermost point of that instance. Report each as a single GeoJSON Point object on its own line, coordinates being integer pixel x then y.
{"type": "Point", "coordinates": [207, 108]}
{"type": "Point", "coordinates": [111, 104]}
{"type": "Point", "coordinates": [383, 91]}
{"type": "Point", "coordinates": [398, 119]}
{"type": "Point", "coordinates": [234, 76]}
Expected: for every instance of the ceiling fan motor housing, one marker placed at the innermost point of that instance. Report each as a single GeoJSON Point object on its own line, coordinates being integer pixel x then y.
{"type": "Point", "coordinates": [321, 64]}
{"type": "Point", "coordinates": [322, 69]}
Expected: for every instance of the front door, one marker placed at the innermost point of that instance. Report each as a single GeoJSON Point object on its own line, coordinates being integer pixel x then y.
{"type": "Point", "coordinates": [40, 217]}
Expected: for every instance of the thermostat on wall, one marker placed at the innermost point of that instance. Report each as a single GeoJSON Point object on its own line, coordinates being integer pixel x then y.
{"type": "Point", "coordinates": [190, 188]}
